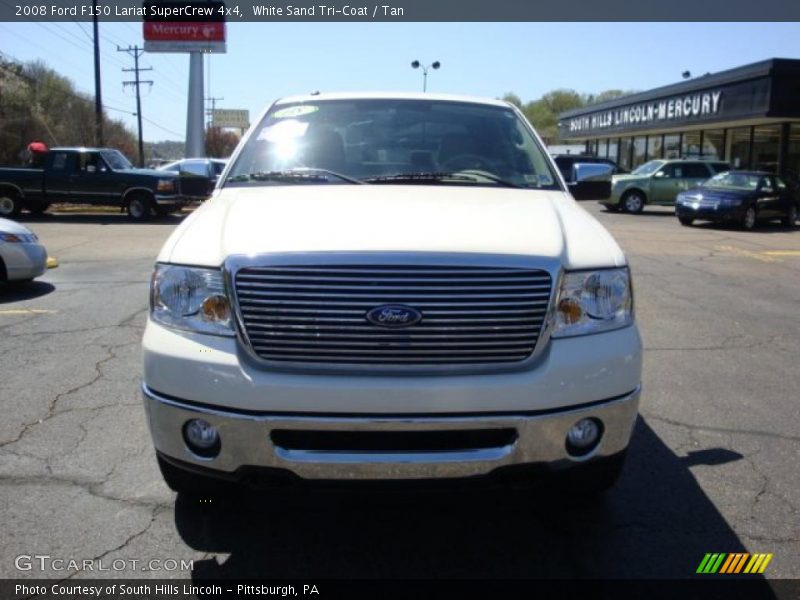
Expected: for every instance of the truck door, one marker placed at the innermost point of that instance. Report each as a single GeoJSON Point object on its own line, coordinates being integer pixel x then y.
{"type": "Point", "coordinates": [58, 172]}
{"type": "Point", "coordinates": [93, 181]}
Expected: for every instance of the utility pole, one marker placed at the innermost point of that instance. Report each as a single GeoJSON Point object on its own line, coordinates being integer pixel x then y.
{"type": "Point", "coordinates": [136, 52]}
{"type": "Point", "coordinates": [98, 95]}
{"type": "Point", "coordinates": [210, 112]}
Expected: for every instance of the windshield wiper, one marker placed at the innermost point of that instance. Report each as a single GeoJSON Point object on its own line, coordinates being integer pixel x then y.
{"type": "Point", "coordinates": [299, 174]}
{"type": "Point", "coordinates": [423, 177]}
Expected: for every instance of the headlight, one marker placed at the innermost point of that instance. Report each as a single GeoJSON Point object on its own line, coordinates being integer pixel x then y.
{"type": "Point", "coordinates": [191, 299]}
{"type": "Point", "coordinates": [593, 301]}
{"type": "Point", "coordinates": [19, 238]}
{"type": "Point", "coordinates": [166, 185]}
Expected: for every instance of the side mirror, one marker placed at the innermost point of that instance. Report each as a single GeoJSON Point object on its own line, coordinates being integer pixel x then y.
{"type": "Point", "coordinates": [660, 174]}
{"type": "Point", "coordinates": [591, 181]}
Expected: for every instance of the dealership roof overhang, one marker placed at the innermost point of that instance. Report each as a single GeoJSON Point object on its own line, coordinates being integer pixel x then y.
{"type": "Point", "coordinates": [758, 92]}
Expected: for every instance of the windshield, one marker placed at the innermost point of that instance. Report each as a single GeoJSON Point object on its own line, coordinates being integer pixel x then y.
{"type": "Point", "coordinates": [733, 180]}
{"type": "Point", "coordinates": [392, 141]}
{"type": "Point", "coordinates": [648, 168]}
{"type": "Point", "coordinates": [116, 160]}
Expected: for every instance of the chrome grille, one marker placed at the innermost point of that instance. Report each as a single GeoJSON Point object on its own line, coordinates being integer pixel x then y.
{"type": "Point", "coordinates": [317, 313]}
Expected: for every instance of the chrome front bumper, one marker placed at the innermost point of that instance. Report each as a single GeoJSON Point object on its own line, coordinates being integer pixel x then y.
{"type": "Point", "coordinates": [246, 440]}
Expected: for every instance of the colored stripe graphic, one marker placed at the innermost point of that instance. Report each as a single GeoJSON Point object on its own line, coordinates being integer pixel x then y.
{"type": "Point", "coordinates": [711, 562]}
{"type": "Point", "coordinates": [764, 564]}
{"type": "Point", "coordinates": [758, 563]}
{"type": "Point", "coordinates": [736, 562]}
{"type": "Point", "coordinates": [740, 564]}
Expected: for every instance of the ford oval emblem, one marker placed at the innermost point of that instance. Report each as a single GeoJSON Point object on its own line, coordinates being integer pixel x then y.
{"type": "Point", "coordinates": [394, 315]}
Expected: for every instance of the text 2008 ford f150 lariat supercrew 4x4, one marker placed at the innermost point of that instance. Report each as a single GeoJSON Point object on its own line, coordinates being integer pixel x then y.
{"type": "Point", "coordinates": [390, 287]}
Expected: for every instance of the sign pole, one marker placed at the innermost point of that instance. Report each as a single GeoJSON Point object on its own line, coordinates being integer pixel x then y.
{"type": "Point", "coordinates": [195, 134]}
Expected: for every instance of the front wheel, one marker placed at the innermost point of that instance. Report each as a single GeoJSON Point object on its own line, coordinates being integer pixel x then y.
{"type": "Point", "coordinates": [687, 221]}
{"type": "Point", "coordinates": [10, 205]}
{"type": "Point", "coordinates": [790, 220]}
{"type": "Point", "coordinates": [633, 202]}
{"type": "Point", "coordinates": [749, 218]}
{"type": "Point", "coordinates": [140, 208]}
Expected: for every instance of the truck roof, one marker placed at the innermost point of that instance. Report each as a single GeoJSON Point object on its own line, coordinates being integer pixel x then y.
{"type": "Point", "coordinates": [318, 96]}
{"type": "Point", "coordinates": [79, 149]}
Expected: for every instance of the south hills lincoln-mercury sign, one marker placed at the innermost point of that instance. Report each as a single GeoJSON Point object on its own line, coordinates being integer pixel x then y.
{"type": "Point", "coordinates": [697, 105]}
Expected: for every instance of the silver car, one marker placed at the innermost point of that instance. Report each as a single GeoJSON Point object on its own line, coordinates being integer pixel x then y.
{"type": "Point", "coordinates": [22, 257]}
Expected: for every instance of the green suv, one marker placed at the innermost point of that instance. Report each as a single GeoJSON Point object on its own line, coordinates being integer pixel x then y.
{"type": "Point", "coordinates": [659, 182]}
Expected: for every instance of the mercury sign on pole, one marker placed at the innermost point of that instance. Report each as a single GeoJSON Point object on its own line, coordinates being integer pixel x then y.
{"type": "Point", "coordinates": [195, 27]}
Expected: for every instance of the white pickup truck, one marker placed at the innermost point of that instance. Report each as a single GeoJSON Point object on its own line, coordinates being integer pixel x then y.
{"type": "Point", "coordinates": [391, 287]}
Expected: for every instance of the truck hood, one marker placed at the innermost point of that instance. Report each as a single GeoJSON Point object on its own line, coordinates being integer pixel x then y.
{"type": "Point", "coordinates": [391, 218]}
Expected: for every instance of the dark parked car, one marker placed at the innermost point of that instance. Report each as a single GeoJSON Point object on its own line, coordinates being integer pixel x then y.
{"type": "Point", "coordinates": [741, 197]}
{"type": "Point", "coordinates": [210, 168]}
{"type": "Point", "coordinates": [565, 162]}
{"type": "Point", "coordinates": [101, 176]}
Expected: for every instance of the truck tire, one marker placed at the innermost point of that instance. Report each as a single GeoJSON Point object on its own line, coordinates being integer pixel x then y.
{"type": "Point", "coordinates": [10, 204]}
{"type": "Point", "coordinates": [191, 484]}
{"type": "Point", "coordinates": [140, 207]}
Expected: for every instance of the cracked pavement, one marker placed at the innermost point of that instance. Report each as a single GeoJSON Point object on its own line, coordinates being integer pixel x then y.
{"type": "Point", "coordinates": [712, 466]}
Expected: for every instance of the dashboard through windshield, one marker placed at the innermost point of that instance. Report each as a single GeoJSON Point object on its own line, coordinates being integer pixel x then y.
{"type": "Point", "coordinates": [392, 141]}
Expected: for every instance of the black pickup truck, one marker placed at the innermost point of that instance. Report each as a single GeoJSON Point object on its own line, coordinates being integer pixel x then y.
{"type": "Point", "coordinates": [99, 176]}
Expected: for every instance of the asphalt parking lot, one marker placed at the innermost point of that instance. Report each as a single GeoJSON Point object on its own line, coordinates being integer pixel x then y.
{"type": "Point", "coordinates": [712, 467]}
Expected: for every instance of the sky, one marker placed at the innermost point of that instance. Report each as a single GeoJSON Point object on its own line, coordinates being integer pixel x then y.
{"type": "Point", "coordinates": [265, 61]}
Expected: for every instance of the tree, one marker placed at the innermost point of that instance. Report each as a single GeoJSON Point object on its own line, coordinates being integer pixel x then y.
{"type": "Point", "coordinates": [220, 143]}
{"type": "Point", "coordinates": [543, 113]}
{"type": "Point", "coordinates": [38, 103]}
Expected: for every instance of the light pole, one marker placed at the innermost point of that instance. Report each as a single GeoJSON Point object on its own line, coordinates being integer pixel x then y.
{"type": "Point", "coordinates": [434, 65]}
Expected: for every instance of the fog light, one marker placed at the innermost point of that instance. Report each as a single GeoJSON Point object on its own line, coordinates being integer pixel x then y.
{"type": "Point", "coordinates": [201, 437]}
{"type": "Point", "coordinates": [584, 436]}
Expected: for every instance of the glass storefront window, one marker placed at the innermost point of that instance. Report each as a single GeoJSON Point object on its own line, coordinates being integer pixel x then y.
{"type": "Point", "coordinates": [639, 151]}
{"type": "Point", "coordinates": [624, 154]}
{"type": "Point", "coordinates": [654, 147]}
{"type": "Point", "coordinates": [672, 146]}
{"type": "Point", "coordinates": [690, 145]}
{"type": "Point", "coordinates": [613, 150]}
{"type": "Point", "coordinates": [766, 144]}
{"type": "Point", "coordinates": [791, 167]}
{"type": "Point", "coordinates": [739, 147]}
{"type": "Point", "coordinates": [714, 144]}
{"type": "Point", "coordinates": [602, 148]}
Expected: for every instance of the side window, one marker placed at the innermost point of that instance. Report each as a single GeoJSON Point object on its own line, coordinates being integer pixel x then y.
{"type": "Point", "coordinates": [780, 183]}
{"type": "Point", "coordinates": [91, 162]}
{"type": "Point", "coordinates": [195, 168]}
{"type": "Point", "coordinates": [765, 184]}
{"type": "Point", "coordinates": [696, 171]}
{"type": "Point", "coordinates": [59, 161]}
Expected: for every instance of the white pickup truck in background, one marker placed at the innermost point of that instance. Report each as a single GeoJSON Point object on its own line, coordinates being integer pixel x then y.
{"type": "Point", "coordinates": [389, 286]}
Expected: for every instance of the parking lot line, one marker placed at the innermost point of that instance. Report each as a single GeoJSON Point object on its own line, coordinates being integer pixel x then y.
{"type": "Point", "coordinates": [762, 256]}
{"type": "Point", "coordinates": [26, 311]}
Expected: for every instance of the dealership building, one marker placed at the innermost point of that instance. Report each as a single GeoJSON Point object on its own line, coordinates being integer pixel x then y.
{"type": "Point", "coordinates": [748, 116]}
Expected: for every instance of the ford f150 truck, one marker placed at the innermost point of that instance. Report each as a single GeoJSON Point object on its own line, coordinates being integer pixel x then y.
{"type": "Point", "coordinates": [95, 176]}
{"type": "Point", "coordinates": [390, 287]}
